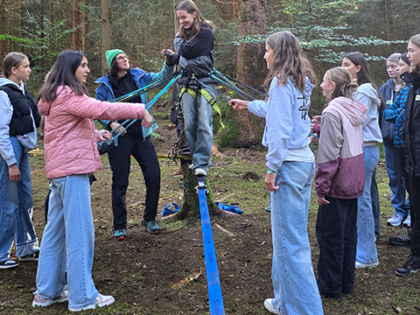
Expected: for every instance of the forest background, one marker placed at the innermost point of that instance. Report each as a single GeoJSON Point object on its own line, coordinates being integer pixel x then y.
{"type": "Point", "coordinates": [142, 28]}
{"type": "Point", "coordinates": [165, 274]}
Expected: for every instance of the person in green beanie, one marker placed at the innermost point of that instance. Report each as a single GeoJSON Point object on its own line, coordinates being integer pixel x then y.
{"type": "Point", "coordinates": [134, 140]}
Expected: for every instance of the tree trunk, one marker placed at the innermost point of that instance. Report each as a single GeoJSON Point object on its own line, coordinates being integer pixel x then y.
{"type": "Point", "coordinates": [85, 28]}
{"type": "Point", "coordinates": [76, 35]}
{"type": "Point", "coordinates": [251, 68]}
{"type": "Point", "coordinates": [2, 31]}
{"type": "Point", "coordinates": [106, 30]}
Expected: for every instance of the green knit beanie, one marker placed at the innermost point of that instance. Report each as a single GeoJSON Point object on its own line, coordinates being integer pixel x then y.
{"type": "Point", "coordinates": [111, 54]}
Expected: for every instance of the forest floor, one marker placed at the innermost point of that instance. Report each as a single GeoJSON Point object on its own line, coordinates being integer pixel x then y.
{"type": "Point", "coordinates": [165, 273]}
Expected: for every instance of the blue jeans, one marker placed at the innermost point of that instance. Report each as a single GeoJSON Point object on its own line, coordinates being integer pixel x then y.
{"type": "Point", "coordinates": [376, 209]}
{"type": "Point", "coordinates": [198, 121]}
{"type": "Point", "coordinates": [295, 287]}
{"type": "Point", "coordinates": [16, 206]}
{"type": "Point", "coordinates": [366, 247]}
{"type": "Point", "coordinates": [68, 240]}
{"type": "Point", "coordinates": [395, 164]}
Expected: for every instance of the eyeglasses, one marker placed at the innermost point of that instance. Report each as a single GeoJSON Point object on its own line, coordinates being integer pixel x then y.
{"type": "Point", "coordinates": [123, 58]}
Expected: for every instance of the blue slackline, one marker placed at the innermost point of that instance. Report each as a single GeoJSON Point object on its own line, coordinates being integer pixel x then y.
{"type": "Point", "coordinates": [212, 273]}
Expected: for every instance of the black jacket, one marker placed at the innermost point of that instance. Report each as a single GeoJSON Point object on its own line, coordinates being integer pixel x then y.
{"type": "Point", "coordinates": [23, 105]}
{"type": "Point", "coordinates": [411, 130]}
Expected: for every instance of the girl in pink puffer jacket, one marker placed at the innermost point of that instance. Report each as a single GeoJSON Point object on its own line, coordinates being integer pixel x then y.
{"type": "Point", "coordinates": [70, 156]}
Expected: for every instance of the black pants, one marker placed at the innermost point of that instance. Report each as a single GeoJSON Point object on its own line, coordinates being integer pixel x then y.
{"type": "Point", "coordinates": [336, 232]}
{"type": "Point", "coordinates": [414, 195]}
{"type": "Point", "coordinates": [119, 159]}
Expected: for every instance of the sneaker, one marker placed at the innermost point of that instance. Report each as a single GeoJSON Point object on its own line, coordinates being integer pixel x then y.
{"type": "Point", "coordinates": [191, 166]}
{"type": "Point", "coordinates": [268, 304]}
{"type": "Point", "coordinates": [200, 172]}
{"type": "Point", "coordinates": [7, 264]}
{"type": "Point", "coordinates": [178, 172]}
{"type": "Point", "coordinates": [401, 240]}
{"type": "Point", "coordinates": [31, 257]}
{"type": "Point", "coordinates": [411, 266]}
{"type": "Point", "coordinates": [120, 235]}
{"type": "Point", "coordinates": [40, 302]}
{"type": "Point", "coordinates": [407, 221]}
{"type": "Point", "coordinates": [268, 208]}
{"type": "Point", "coordinates": [395, 220]}
{"type": "Point", "coordinates": [363, 265]}
{"type": "Point", "coordinates": [101, 301]}
{"type": "Point", "coordinates": [151, 227]}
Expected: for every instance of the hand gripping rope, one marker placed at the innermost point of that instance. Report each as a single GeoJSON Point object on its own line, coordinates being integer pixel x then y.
{"type": "Point", "coordinates": [212, 273]}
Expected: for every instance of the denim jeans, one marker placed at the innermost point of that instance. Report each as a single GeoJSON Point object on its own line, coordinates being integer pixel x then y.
{"type": "Point", "coordinates": [366, 246]}
{"type": "Point", "coordinates": [68, 240]}
{"type": "Point", "coordinates": [395, 164]}
{"type": "Point", "coordinates": [16, 206]}
{"type": "Point", "coordinates": [198, 128]}
{"type": "Point", "coordinates": [376, 209]}
{"type": "Point", "coordinates": [295, 287]}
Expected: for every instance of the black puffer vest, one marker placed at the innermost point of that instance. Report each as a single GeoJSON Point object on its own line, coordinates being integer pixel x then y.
{"type": "Point", "coordinates": [23, 104]}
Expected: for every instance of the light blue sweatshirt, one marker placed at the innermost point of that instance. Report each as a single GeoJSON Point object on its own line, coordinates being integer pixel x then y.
{"type": "Point", "coordinates": [367, 95]}
{"type": "Point", "coordinates": [287, 124]}
{"type": "Point", "coordinates": [6, 113]}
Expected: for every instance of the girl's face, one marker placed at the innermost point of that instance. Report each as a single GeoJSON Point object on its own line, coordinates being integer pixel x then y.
{"type": "Point", "coordinates": [269, 56]}
{"type": "Point", "coordinates": [391, 68]}
{"type": "Point", "coordinates": [413, 54]}
{"type": "Point", "coordinates": [402, 66]}
{"type": "Point", "coordinates": [186, 19]}
{"type": "Point", "coordinates": [350, 67]}
{"type": "Point", "coordinates": [327, 86]}
{"type": "Point", "coordinates": [82, 71]}
{"type": "Point", "coordinates": [23, 71]}
{"type": "Point", "coordinates": [123, 62]}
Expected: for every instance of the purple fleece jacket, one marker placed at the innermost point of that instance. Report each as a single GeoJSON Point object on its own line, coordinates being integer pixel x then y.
{"type": "Point", "coordinates": [340, 170]}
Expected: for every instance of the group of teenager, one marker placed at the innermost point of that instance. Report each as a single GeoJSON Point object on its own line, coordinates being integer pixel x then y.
{"type": "Point", "coordinates": [348, 131]}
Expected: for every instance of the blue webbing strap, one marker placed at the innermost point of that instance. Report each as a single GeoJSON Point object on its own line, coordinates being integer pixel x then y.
{"type": "Point", "coordinates": [228, 84]}
{"type": "Point", "coordinates": [212, 273]}
{"type": "Point", "coordinates": [148, 105]}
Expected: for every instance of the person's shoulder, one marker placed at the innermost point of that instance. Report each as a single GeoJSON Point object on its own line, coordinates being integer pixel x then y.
{"type": "Point", "coordinates": [137, 71]}
{"type": "Point", "coordinates": [206, 26]}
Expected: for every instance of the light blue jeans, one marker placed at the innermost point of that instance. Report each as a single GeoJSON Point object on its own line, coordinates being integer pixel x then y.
{"type": "Point", "coordinates": [16, 206]}
{"type": "Point", "coordinates": [198, 121]}
{"type": "Point", "coordinates": [366, 247]}
{"type": "Point", "coordinates": [68, 240]}
{"type": "Point", "coordinates": [295, 287]}
{"type": "Point", "coordinates": [395, 164]}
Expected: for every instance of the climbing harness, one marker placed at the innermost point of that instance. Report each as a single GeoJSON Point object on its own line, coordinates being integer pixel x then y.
{"type": "Point", "coordinates": [212, 273]}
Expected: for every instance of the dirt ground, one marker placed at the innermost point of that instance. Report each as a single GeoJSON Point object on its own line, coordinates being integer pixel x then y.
{"type": "Point", "coordinates": [165, 273]}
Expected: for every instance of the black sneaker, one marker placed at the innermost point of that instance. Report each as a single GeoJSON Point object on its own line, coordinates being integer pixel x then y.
{"type": "Point", "coordinates": [411, 266]}
{"type": "Point", "coordinates": [401, 240]}
{"type": "Point", "coordinates": [31, 257]}
{"type": "Point", "coordinates": [7, 264]}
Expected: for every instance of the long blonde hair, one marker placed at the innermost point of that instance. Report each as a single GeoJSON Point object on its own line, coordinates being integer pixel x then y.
{"type": "Point", "coordinates": [190, 7]}
{"type": "Point", "coordinates": [416, 41]}
{"type": "Point", "coordinates": [344, 84]}
{"type": "Point", "coordinates": [288, 62]}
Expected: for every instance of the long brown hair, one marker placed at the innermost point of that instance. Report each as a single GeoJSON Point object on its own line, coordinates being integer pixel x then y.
{"type": "Point", "coordinates": [13, 59]}
{"type": "Point", "coordinates": [190, 7]}
{"type": "Point", "coordinates": [288, 62]}
{"type": "Point", "coordinates": [63, 73]}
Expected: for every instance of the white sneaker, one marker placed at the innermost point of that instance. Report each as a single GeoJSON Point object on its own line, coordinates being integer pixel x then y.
{"type": "Point", "coordinates": [362, 265]}
{"type": "Point", "coordinates": [40, 302]}
{"type": "Point", "coordinates": [200, 172]}
{"type": "Point", "coordinates": [191, 166]}
{"type": "Point", "coordinates": [268, 304]}
{"type": "Point", "coordinates": [101, 301]}
{"type": "Point", "coordinates": [395, 220]}
{"type": "Point", "coordinates": [407, 221]}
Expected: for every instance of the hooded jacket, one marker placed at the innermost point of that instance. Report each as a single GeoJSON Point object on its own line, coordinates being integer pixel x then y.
{"type": "Point", "coordinates": [367, 95]}
{"type": "Point", "coordinates": [339, 171]}
{"type": "Point", "coordinates": [287, 124]}
{"type": "Point", "coordinates": [69, 141]}
{"type": "Point", "coordinates": [24, 121]}
{"type": "Point", "coordinates": [389, 95]}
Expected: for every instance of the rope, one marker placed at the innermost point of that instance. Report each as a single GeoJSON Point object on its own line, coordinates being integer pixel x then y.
{"type": "Point", "coordinates": [212, 273]}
